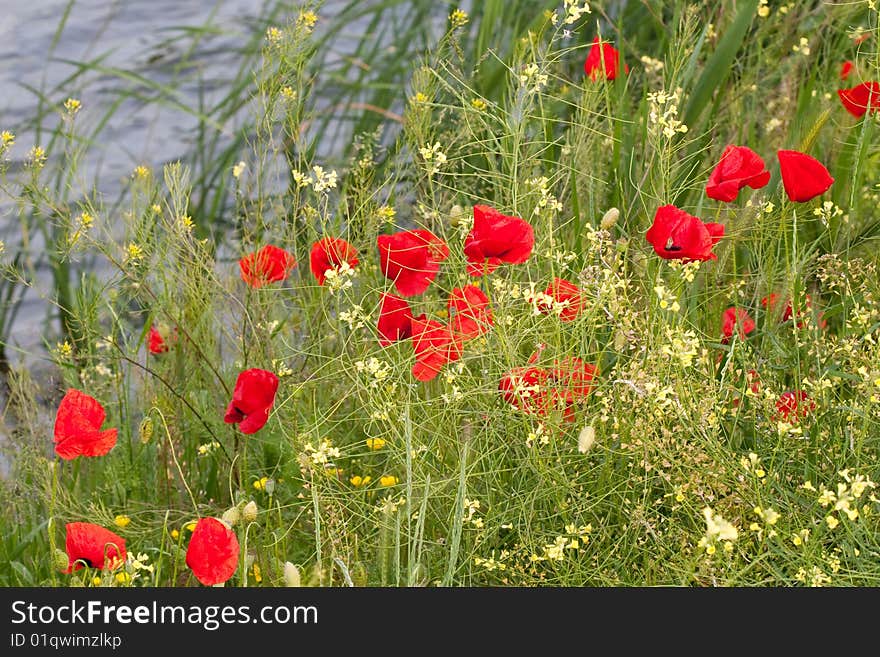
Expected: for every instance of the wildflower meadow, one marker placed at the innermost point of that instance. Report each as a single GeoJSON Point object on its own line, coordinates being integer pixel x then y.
{"type": "Point", "coordinates": [587, 297]}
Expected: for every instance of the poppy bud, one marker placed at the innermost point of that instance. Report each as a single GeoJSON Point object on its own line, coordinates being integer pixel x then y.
{"type": "Point", "coordinates": [457, 215]}
{"type": "Point", "coordinates": [609, 219]}
{"type": "Point", "coordinates": [249, 512]}
{"type": "Point", "coordinates": [586, 439]}
{"type": "Point", "coordinates": [145, 431]}
{"type": "Point", "coordinates": [60, 560]}
{"type": "Point", "coordinates": [231, 516]}
{"type": "Point", "coordinates": [291, 575]}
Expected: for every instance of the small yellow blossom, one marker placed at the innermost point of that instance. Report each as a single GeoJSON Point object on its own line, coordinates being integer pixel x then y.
{"type": "Point", "coordinates": [359, 482]}
{"type": "Point", "coordinates": [479, 104]}
{"type": "Point", "coordinates": [288, 93]}
{"type": "Point", "coordinates": [7, 139]}
{"type": "Point", "coordinates": [831, 521]}
{"type": "Point", "coordinates": [96, 581]}
{"type": "Point", "coordinates": [307, 20]}
{"type": "Point", "coordinates": [72, 106]}
{"type": "Point", "coordinates": [36, 157]}
{"type": "Point", "coordinates": [190, 526]}
{"type": "Point", "coordinates": [388, 480]}
{"type": "Point", "coordinates": [123, 578]}
{"type": "Point", "coordinates": [274, 35]}
{"type": "Point", "coordinates": [141, 172]}
{"type": "Point", "coordinates": [121, 521]}
{"type": "Point", "coordinates": [458, 18]}
{"type": "Point", "coordinates": [238, 169]}
{"type": "Point", "coordinates": [175, 534]}
{"type": "Point", "coordinates": [260, 484]}
{"type": "Point", "coordinates": [375, 443]}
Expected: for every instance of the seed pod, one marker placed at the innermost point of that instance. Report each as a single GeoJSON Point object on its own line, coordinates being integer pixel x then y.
{"type": "Point", "coordinates": [586, 439]}
{"type": "Point", "coordinates": [249, 512]}
{"type": "Point", "coordinates": [291, 575]}
{"type": "Point", "coordinates": [609, 219]}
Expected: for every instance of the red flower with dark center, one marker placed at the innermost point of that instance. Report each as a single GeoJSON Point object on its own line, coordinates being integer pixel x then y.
{"type": "Point", "coordinates": [435, 345]}
{"type": "Point", "coordinates": [803, 177]}
{"type": "Point", "coordinates": [395, 320]}
{"type": "Point", "coordinates": [469, 311]}
{"type": "Point", "coordinates": [252, 400]}
{"type": "Point", "coordinates": [495, 239]}
{"type": "Point", "coordinates": [78, 427]}
{"type": "Point", "coordinates": [793, 406]}
{"type": "Point", "coordinates": [567, 295]}
{"type": "Point", "coordinates": [331, 253]}
{"type": "Point", "coordinates": [160, 339]}
{"type": "Point", "coordinates": [861, 98]}
{"type": "Point", "coordinates": [213, 551]}
{"type": "Point", "coordinates": [846, 69]}
{"type": "Point", "coordinates": [736, 319]}
{"type": "Point", "coordinates": [93, 546]}
{"type": "Point", "coordinates": [677, 235]}
{"type": "Point", "coordinates": [603, 61]}
{"type": "Point", "coordinates": [526, 388]}
{"type": "Point", "coordinates": [411, 259]}
{"type": "Point", "coordinates": [268, 265]}
{"type": "Point", "coordinates": [739, 167]}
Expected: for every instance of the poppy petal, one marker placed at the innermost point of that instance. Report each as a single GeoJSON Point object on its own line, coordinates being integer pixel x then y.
{"type": "Point", "coordinates": [803, 176]}
{"type": "Point", "coordinates": [213, 552]}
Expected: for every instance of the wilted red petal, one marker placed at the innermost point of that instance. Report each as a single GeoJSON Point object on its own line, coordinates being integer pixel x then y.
{"type": "Point", "coordinates": [860, 99]}
{"type": "Point", "coordinates": [803, 177]}
{"type": "Point", "coordinates": [268, 265]}
{"type": "Point", "coordinates": [602, 61]}
{"type": "Point", "coordinates": [93, 545]}
{"type": "Point", "coordinates": [395, 320]}
{"type": "Point", "coordinates": [213, 552]}
{"type": "Point", "coordinates": [330, 253]}
{"type": "Point", "coordinates": [739, 167]}
{"type": "Point", "coordinates": [677, 235]}
{"type": "Point", "coordinates": [411, 259]}
{"type": "Point", "coordinates": [737, 319]}
{"type": "Point", "coordinates": [497, 239]}
{"type": "Point", "coordinates": [470, 313]}
{"type": "Point", "coordinates": [78, 427]}
{"type": "Point", "coordinates": [252, 399]}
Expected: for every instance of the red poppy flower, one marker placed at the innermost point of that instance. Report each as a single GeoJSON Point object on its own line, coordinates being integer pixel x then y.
{"type": "Point", "coordinates": [411, 259]}
{"type": "Point", "coordinates": [770, 303]}
{"type": "Point", "coordinates": [160, 339]}
{"type": "Point", "coordinates": [861, 98]}
{"type": "Point", "coordinates": [268, 265]}
{"type": "Point", "coordinates": [736, 319]}
{"type": "Point", "coordinates": [793, 406]}
{"type": "Point", "coordinates": [676, 235]}
{"type": "Point", "coordinates": [803, 177]}
{"type": "Point", "coordinates": [739, 167]}
{"type": "Point", "coordinates": [469, 310]}
{"type": "Point", "coordinates": [603, 61]}
{"type": "Point", "coordinates": [526, 388]}
{"type": "Point", "coordinates": [495, 239]}
{"type": "Point", "coordinates": [92, 546]}
{"type": "Point", "coordinates": [574, 378]}
{"type": "Point", "coordinates": [213, 551]}
{"type": "Point", "coordinates": [331, 253]}
{"type": "Point", "coordinates": [567, 295]}
{"type": "Point", "coordinates": [78, 427]}
{"type": "Point", "coordinates": [435, 345]}
{"type": "Point", "coordinates": [252, 400]}
{"type": "Point", "coordinates": [395, 320]}
{"type": "Point", "coordinates": [846, 69]}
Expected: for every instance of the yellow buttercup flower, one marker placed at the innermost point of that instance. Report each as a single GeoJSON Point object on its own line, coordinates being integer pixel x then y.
{"type": "Point", "coordinates": [121, 521]}
{"type": "Point", "coordinates": [388, 480]}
